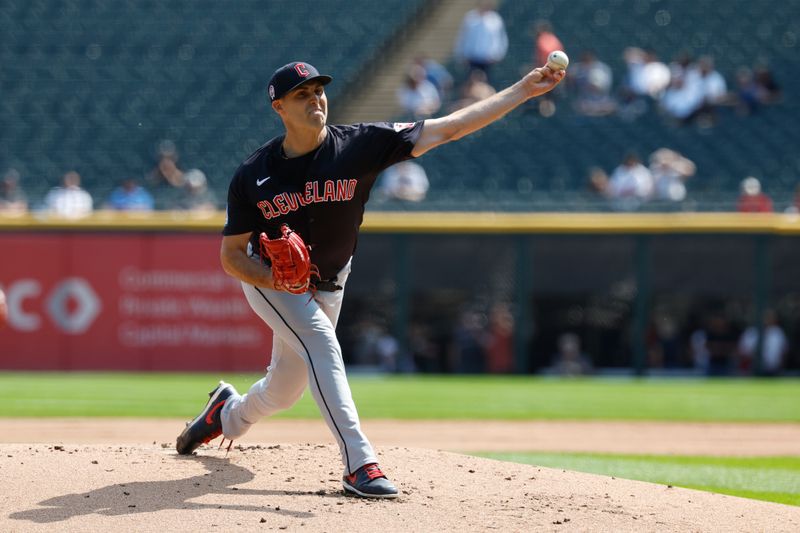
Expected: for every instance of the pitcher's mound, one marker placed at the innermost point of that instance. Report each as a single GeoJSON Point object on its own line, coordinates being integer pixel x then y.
{"type": "Point", "coordinates": [298, 488]}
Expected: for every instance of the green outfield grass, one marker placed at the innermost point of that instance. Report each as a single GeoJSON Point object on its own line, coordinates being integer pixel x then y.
{"type": "Point", "coordinates": [418, 397]}
{"type": "Point", "coordinates": [775, 479]}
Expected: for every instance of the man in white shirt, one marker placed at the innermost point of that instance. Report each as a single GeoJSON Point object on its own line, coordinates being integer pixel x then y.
{"type": "Point", "coordinates": [69, 200]}
{"type": "Point", "coordinates": [482, 41]}
{"type": "Point", "coordinates": [774, 347]}
{"type": "Point", "coordinates": [647, 75]}
{"type": "Point", "coordinates": [711, 81]}
{"type": "Point", "coordinates": [631, 179]}
{"type": "Point", "coordinates": [406, 180]}
{"type": "Point", "coordinates": [418, 97]}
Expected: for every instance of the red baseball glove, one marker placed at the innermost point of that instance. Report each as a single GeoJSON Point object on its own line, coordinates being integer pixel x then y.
{"type": "Point", "coordinates": [291, 262]}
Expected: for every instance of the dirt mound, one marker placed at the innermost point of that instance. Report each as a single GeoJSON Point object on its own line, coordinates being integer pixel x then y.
{"type": "Point", "coordinates": [599, 436]}
{"type": "Point", "coordinates": [297, 488]}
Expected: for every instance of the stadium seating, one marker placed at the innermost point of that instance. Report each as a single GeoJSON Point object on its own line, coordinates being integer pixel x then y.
{"type": "Point", "coordinates": [529, 162]}
{"type": "Point", "coordinates": [94, 85]}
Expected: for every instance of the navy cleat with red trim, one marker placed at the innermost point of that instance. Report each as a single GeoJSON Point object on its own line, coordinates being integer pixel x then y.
{"type": "Point", "coordinates": [208, 424]}
{"type": "Point", "coordinates": [369, 482]}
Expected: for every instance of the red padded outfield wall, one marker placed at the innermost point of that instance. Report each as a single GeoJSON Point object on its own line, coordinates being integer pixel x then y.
{"type": "Point", "coordinates": [124, 301]}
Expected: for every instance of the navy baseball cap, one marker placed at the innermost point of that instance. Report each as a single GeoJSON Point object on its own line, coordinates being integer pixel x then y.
{"type": "Point", "coordinates": [291, 76]}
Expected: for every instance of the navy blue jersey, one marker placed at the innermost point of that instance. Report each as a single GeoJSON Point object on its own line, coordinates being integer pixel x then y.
{"type": "Point", "coordinates": [321, 195]}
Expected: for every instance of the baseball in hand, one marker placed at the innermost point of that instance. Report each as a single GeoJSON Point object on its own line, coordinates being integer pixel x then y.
{"type": "Point", "coordinates": [557, 60]}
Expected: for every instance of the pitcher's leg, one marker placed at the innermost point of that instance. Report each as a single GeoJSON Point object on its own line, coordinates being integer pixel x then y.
{"type": "Point", "coordinates": [279, 389]}
{"type": "Point", "coordinates": [308, 330]}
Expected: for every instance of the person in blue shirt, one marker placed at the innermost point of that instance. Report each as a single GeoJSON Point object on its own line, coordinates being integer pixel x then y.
{"type": "Point", "coordinates": [130, 196]}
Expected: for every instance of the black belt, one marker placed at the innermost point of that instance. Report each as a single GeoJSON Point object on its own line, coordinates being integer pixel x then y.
{"type": "Point", "coordinates": [328, 285]}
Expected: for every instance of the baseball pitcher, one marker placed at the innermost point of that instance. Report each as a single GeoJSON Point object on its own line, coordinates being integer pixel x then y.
{"type": "Point", "coordinates": [294, 211]}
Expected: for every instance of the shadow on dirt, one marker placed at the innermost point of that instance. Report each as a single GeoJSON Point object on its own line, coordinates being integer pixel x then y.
{"type": "Point", "coordinates": [151, 496]}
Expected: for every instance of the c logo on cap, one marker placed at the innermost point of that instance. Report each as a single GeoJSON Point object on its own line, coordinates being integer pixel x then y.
{"type": "Point", "coordinates": [301, 69]}
{"type": "Point", "coordinates": [272, 92]}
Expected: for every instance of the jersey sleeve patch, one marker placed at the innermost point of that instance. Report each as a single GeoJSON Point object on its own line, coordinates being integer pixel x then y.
{"type": "Point", "coordinates": [400, 126]}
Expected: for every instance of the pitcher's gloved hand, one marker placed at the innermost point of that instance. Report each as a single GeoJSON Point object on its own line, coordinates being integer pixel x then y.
{"type": "Point", "coordinates": [290, 259]}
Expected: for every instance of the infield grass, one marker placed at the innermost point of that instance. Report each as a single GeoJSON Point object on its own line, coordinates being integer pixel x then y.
{"type": "Point", "coordinates": [418, 397]}
{"type": "Point", "coordinates": [774, 479]}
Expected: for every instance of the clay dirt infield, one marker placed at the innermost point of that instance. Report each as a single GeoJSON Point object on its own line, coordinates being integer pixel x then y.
{"type": "Point", "coordinates": [124, 475]}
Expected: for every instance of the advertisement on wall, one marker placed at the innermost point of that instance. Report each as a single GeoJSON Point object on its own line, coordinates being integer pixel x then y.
{"type": "Point", "coordinates": [125, 301]}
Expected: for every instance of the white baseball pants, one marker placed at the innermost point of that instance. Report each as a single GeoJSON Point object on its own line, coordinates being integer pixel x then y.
{"type": "Point", "coordinates": [305, 351]}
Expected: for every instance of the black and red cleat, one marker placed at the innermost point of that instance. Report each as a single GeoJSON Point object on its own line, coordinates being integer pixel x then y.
{"type": "Point", "coordinates": [208, 424]}
{"type": "Point", "coordinates": [369, 482]}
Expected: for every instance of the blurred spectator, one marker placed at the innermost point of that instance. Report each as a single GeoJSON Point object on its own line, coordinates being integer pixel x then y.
{"type": "Point", "coordinates": [769, 92]}
{"type": "Point", "coordinates": [721, 340]}
{"type": "Point", "coordinates": [197, 196]}
{"type": "Point", "coordinates": [482, 40]}
{"type": "Point", "coordinates": [681, 64]}
{"type": "Point", "coordinates": [469, 342]}
{"type": "Point", "coordinates": [647, 78]}
{"type": "Point", "coordinates": [130, 196]}
{"type": "Point", "coordinates": [773, 351]}
{"type": "Point", "coordinates": [500, 341]}
{"type": "Point", "coordinates": [670, 170]}
{"type": "Point", "coordinates": [437, 74]}
{"type": "Point", "coordinates": [664, 342]}
{"type": "Point", "coordinates": [752, 199]}
{"type": "Point", "coordinates": [367, 333]}
{"type": "Point", "coordinates": [418, 97]}
{"type": "Point", "coordinates": [388, 351]}
{"type": "Point", "coordinates": [475, 89]}
{"type": "Point", "coordinates": [631, 179]}
{"type": "Point", "coordinates": [591, 81]}
{"type": "Point", "coordinates": [698, 349]}
{"type": "Point", "coordinates": [745, 97]}
{"type": "Point", "coordinates": [13, 201]}
{"type": "Point", "coordinates": [424, 351]}
{"type": "Point", "coordinates": [712, 87]}
{"type": "Point", "coordinates": [755, 89]}
{"type": "Point", "coordinates": [545, 41]}
{"type": "Point", "coordinates": [683, 98]}
{"type": "Point", "coordinates": [570, 360]}
{"type": "Point", "coordinates": [695, 92]}
{"type": "Point", "coordinates": [69, 200]}
{"type": "Point", "coordinates": [406, 180]}
{"type": "Point", "coordinates": [712, 82]}
{"type": "Point", "coordinates": [166, 172]}
{"type": "Point", "coordinates": [647, 75]}
{"type": "Point", "coordinates": [375, 347]}
{"type": "Point", "coordinates": [630, 184]}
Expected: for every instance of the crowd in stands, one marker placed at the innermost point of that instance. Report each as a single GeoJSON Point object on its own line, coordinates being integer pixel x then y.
{"type": "Point", "coordinates": [632, 183]}
{"type": "Point", "coordinates": [684, 91]}
{"type": "Point", "coordinates": [719, 348]}
{"type": "Point", "coordinates": [13, 200]}
{"type": "Point", "coordinates": [480, 340]}
{"type": "Point", "coordinates": [166, 186]}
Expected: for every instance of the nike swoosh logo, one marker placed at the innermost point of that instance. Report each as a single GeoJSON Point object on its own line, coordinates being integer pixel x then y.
{"type": "Point", "coordinates": [210, 415]}
{"type": "Point", "coordinates": [262, 181]}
